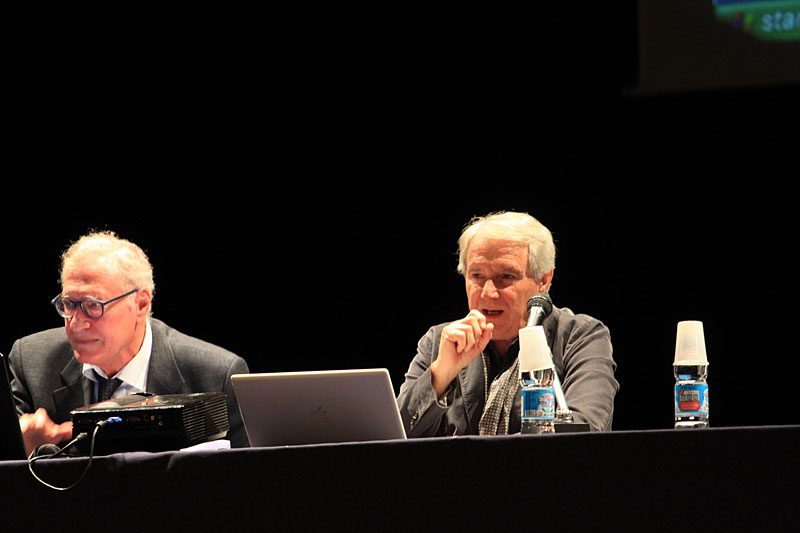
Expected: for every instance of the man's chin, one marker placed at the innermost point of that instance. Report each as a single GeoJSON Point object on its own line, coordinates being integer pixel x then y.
{"type": "Point", "coordinates": [503, 332]}
{"type": "Point", "coordinates": [87, 355]}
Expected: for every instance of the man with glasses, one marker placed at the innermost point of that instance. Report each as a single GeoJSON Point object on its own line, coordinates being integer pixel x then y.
{"type": "Point", "coordinates": [110, 346]}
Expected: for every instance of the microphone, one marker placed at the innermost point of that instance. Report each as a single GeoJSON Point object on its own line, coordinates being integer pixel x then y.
{"type": "Point", "coordinates": [46, 449]}
{"type": "Point", "coordinates": [539, 307]}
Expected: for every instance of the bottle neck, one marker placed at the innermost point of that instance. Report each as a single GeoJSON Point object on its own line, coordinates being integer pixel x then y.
{"type": "Point", "coordinates": [537, 378]}
{"type": "Point", "coordinates": [690, 372]}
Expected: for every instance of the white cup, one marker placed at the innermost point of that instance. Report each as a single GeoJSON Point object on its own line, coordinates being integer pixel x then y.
{"type": "Point", "coordinates": [690, 344]}
{"type": "Point", "coordinates": [534, 353]}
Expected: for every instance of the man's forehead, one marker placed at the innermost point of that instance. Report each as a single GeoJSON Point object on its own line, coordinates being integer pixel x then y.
{"type": "Point", "coordinates": [88, 276]}
{"type": "Point", "coordinates": [483, 250]}
{"type": "Point", "coordinates": [85, 274]}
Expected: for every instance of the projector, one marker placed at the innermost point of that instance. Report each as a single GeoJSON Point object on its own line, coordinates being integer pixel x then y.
{"type": "Point", "coordinates": [152, 423]}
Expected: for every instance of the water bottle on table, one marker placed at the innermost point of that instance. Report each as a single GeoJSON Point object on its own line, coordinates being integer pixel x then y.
{"type": "Point", "coordinates": [536, 375]}
{"type": "Point", "coordinates": [690, 369]}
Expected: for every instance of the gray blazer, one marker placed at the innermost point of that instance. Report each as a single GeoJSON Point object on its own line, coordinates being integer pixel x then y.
{"type": "Point", "coordinates": [581, 349]}
{"type": "Point", "coordinates": [46, 374]}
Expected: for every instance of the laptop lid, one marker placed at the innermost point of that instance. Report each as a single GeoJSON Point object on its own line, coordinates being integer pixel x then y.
{"type": "Point", "coordinates": [11, 444]}
{"type": "Point", "coordinates": [289, 408]}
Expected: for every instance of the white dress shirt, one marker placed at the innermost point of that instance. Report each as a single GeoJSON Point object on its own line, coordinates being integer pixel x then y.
{"type": "Point", "coordinates": [133, 375]}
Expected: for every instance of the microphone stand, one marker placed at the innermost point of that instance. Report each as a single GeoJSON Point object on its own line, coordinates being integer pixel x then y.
{"type": "Point", "coordinates": [563, 412]}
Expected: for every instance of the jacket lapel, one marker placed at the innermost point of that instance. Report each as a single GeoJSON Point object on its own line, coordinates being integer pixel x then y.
{"type": "Point", "coordinates": [163, 374]}
{"type": "Point", "coordinates": [472, 382]}
{"type": "Point", "coordinates": [76, 391]}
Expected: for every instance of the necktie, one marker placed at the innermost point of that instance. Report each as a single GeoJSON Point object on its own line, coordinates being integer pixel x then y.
{"type": "Point", "coordinates": [106, 387]}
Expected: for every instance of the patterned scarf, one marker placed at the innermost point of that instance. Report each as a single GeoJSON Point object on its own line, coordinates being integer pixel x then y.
{"type": "Point", "coordinates": [500, 397]}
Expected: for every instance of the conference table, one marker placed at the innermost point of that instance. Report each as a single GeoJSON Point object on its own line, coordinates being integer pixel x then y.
{"type": "Point", "coordinates": [715, 479]}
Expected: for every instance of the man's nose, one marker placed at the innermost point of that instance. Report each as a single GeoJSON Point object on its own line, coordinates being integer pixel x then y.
{"type": "Point", "coordinates": [79, 320]}
{"type": "Point", "coordinates": [489, 290]}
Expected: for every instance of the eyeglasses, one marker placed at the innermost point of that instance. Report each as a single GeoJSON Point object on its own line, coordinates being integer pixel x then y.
{"type": "Point", "coordinates": [91, 308]}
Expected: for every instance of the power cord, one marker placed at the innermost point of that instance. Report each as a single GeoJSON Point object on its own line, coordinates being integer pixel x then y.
{"type": "Point", "coordinates": [81, 436]}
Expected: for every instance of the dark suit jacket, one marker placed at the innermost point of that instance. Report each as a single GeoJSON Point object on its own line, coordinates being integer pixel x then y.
{"type": "Point", "coordinates": [46, 374]}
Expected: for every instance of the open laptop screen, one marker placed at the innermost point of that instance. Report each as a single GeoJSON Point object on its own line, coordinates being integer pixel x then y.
{"type": "Point", "coordinates": [289, 408]}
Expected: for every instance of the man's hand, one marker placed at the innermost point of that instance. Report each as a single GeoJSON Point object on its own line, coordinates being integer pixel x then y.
{"type": "Point", "coordinates": [38, 429]}
{"type": "Point", "coordinates": [461, 342]}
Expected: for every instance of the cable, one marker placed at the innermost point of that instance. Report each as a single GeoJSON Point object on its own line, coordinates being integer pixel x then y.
{"type": "Point", "coordinates": [80, 437]}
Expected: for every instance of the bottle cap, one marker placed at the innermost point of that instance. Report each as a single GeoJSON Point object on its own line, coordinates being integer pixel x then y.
{"type": "Point", "coordinates": [690, 344]}
{"type": "Point", "coordinates": [534, 353]}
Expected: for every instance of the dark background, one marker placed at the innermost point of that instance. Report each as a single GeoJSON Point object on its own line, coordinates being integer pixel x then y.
{"type": "Point", "coordinates": [299, 182]}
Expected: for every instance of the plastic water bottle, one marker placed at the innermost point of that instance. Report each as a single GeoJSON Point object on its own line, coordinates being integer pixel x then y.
{"type": "Point", "coordinates": [691, 396]}
{"type": "Point", "coordinates": [538, 401]}
{"type": "Point", "coordinates": [536, 376]}
{"type": "Point", "coordinates": [690, 369]}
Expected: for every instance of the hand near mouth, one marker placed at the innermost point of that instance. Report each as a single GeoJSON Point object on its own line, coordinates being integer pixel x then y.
{"type": "Point", "coordinates": [461, 342]}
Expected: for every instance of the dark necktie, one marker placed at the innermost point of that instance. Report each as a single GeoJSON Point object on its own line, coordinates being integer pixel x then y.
{"type": "Point", "coordinates": [106, 387]}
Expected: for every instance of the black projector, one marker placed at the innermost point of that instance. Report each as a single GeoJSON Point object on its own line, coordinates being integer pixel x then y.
{"type": "Point", "coordinates": [152, 423]}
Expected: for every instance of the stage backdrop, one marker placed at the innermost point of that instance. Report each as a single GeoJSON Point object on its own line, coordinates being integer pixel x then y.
{"type": "Point", "coordinates": [300, 197]}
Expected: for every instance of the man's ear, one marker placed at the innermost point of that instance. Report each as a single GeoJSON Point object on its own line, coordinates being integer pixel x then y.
{"type": "Point", "coordinates": [143, 300]}
{"type": "Point", "coordinates": [547, 279]}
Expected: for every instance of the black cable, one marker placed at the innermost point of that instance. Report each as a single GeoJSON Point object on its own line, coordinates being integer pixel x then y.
{"type": "Point", "coordinates": [80, 437]}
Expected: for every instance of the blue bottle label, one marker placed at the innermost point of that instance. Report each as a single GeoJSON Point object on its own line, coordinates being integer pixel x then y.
{"type": "Point", "coordinates": [691, 399]}
{"type": "Point", "coordinates": [539, 404]}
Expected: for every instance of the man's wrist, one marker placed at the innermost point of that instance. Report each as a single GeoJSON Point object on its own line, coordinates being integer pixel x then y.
{"type": "Point", "coordinates": [445, 400]}
{"type": "Point", "coordinates": [442, 386]}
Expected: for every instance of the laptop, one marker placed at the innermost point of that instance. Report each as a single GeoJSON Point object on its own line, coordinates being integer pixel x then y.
{"type": "Point", "coordinates": [12, 446]}
{"type": "Point", "coordinates": [328, 406]}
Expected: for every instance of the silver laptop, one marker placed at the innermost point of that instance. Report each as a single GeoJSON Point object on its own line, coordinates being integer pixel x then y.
{"type": "Point", "coordinates": [290, 408]}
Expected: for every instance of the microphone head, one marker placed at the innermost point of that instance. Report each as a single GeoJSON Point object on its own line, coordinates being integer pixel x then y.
{"type": "Point", "coordinates": [46, 449]}
{"type": "Point", "coordinates": [542, 300]}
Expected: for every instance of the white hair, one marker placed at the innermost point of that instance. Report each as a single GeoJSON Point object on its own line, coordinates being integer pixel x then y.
{"type": "Point", "coordinates": [516, 227]}
{"type": "Point", "coordinates": [121, 257]}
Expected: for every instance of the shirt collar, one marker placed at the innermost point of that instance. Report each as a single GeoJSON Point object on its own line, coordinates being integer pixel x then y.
{"type": "Point", "coordinates": [135, 372]}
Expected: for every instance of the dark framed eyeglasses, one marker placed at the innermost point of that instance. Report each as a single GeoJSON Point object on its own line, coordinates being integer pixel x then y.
{"type": "Point", "coordinates": [90, 307]}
